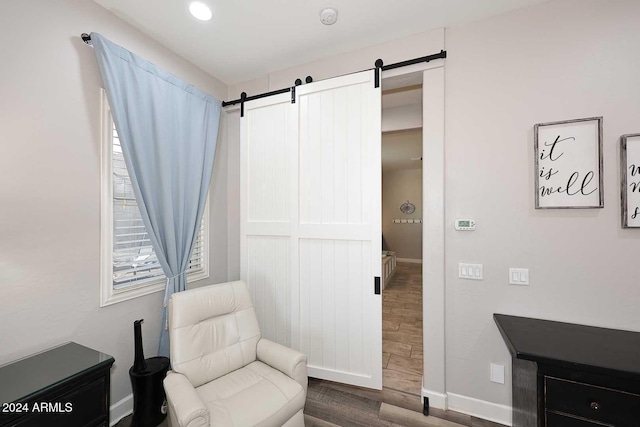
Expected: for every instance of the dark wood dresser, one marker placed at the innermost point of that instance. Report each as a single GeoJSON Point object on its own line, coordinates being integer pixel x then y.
{"type": "Point", "coordinates": [567, 375]}
{"type": "Point", "coordinates": [64, 386]}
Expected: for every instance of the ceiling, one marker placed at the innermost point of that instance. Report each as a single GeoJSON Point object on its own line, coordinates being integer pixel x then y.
{"type": "Point", "coordinates": [247, 39]}
{"type": "Point", "coordinates": [398, 148]}
{"type": "Point", "coordinates": [401, 97]}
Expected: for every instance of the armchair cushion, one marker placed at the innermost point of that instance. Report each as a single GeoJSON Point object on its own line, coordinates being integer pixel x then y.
{"type": "Point", "coordinates": [290, 362]}
{"type": "Point", "coordinates": [255, 395]}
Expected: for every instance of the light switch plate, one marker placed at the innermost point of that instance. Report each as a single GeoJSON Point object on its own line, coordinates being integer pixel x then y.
{"type": "Point", "coordinates": [470, 271]}
{"type": "Point", "coordinates": [519, 276]}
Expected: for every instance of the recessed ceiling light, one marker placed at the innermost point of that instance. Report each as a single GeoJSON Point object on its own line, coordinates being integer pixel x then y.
{"type": "Point", "coordinates": [200, 11]}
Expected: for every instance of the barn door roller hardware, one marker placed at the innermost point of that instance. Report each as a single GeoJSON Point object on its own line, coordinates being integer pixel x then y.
{"type": "Point", "coordinates": [378, 68]}
{"type": "Point", "coordinates": [244, 98]}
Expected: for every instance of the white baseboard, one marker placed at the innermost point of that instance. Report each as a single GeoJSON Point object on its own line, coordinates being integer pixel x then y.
{"type": "Point", "coordinates": [414, 261]}
{"type": "Point", "coordinates": [480, 408]}
{"type": "Point", "coordinates": [436, 400]}
{"type": "Point", "coordinates": [120, 409]}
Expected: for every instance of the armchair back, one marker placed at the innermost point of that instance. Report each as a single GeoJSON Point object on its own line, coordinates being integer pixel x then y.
{"type": "Point", "coordinates": [213, 331]}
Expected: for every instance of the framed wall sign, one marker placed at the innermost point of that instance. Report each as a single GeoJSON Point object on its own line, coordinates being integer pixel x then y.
{"type": "Point", "coordinates": [568, 164]}
{"type": "Point", "coordinates": [630, 177]}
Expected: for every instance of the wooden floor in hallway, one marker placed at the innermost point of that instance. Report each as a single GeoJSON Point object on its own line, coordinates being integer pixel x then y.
{"type": "Point", "coordinates": [402, 330]}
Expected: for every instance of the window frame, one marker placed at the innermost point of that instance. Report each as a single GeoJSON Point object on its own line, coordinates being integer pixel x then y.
{"type": "Point", "coordinates": [109, 295]}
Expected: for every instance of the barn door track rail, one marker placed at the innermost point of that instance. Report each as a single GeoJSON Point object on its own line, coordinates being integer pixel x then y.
{"type": "Point", "coordinates": [378, 67]}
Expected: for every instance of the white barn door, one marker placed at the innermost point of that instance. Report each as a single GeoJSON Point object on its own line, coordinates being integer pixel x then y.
{"type": "Point", "coordinates": [339, 231]}
{"type": "Point", "coordinates": [268, 140]}
{"type": "Point", "coordinates": [311, 223]}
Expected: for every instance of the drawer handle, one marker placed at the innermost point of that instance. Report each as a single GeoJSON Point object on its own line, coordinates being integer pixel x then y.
{"type": "Point", "coordinates": [595, 406]}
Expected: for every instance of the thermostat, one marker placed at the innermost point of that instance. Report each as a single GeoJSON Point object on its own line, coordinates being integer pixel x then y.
{"type": "Point", "coordinates": [465, 225]}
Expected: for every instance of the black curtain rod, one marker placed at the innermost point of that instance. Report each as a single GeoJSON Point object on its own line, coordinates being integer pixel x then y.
{"type": "Point", "coordinates": [379, 66]}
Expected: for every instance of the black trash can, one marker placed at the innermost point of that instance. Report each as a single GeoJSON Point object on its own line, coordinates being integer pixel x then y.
{"type": "Point", "coordinates": [149, 399]}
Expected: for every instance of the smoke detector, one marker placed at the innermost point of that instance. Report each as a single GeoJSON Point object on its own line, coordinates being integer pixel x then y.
{"type": "Point", "coordinates": [328, 16]}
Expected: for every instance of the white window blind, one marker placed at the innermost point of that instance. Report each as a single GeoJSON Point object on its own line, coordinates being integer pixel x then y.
{"type": "Point", "coordinates": [129, 267]}
{"type": "Point", "coordinates": [134, 260]}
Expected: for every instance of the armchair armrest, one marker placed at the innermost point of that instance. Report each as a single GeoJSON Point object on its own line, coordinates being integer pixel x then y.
{"type": "Point", "coordinates": [185, 405]}
{"type": "Point", "coordinates": [290, 362]}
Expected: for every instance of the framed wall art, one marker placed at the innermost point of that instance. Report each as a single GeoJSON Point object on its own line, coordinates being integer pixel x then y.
{"type": "Point", "coordinates": [568, 164]}
{"type": "Point", "coordinates": [630, 180]}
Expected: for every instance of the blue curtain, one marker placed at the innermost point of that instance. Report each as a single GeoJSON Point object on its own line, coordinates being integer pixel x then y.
{"type": "Point", "coordinates": [168, 131]}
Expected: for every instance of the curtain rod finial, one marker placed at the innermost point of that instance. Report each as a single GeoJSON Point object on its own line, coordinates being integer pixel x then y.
{"type": "Point", "coordinates": [86, 38]}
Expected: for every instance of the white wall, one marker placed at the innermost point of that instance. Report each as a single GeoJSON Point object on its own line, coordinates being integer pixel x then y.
{"type": "Point", "coordinates": [555, 61]}
{"type": "Point", "coordinates": [559, 60]}
{"type": "Point", "coordinates": [50, 184]}
{"type": "Point", "coordinates": [398, 186]}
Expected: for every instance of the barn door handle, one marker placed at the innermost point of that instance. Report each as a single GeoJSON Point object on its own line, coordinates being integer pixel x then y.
{"type": "Point", "coordinates": [376, 285]}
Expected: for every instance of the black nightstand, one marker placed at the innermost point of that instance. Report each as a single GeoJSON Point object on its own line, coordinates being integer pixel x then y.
{"type": "Point", "coordinates": [567, 375]}
{"type": "Point", "coordinates": [64, 386]}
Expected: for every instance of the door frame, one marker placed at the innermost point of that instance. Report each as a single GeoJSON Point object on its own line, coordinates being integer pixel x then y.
{"type": "Point", "coordinates": [433, 226]}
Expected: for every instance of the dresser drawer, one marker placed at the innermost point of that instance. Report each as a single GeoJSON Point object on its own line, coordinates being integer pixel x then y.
{"type": "Point", "coordinates": [557, 420]}
{"type": "Point", "coordinates": [592, 403]}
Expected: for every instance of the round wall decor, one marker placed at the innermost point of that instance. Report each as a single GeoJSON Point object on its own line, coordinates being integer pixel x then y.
{"type": "Point", "coordinates": [407, 208]}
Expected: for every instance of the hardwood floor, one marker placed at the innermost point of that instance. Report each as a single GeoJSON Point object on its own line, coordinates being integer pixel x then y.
{"type": "Point", "coordinates": [402, 330]}
{"type": "Point", "coordinates": [332, 404]}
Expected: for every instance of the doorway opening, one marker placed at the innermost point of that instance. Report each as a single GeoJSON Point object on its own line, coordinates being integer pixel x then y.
{"type": "Point", "coordinates": [402, 144]}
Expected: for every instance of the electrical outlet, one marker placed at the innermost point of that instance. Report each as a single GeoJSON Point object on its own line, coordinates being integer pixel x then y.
{"type": "Point", "coordinates": [497, 373]}
{"type": "Point", "coordinates": [519, 276]}
{"type": "Point", "coordinates": [470, 271]}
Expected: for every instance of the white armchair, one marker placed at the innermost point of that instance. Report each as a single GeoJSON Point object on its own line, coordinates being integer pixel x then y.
{"type": "Point", "coordinates": [223, 372]}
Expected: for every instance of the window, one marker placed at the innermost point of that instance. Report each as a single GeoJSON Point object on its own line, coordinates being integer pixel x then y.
{"type": "Point", "coordinates": [129, 266]}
